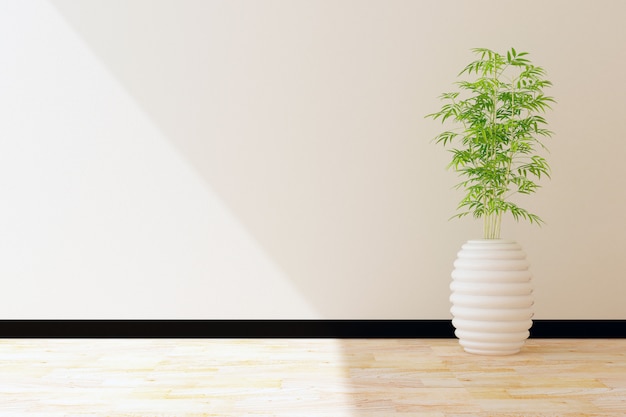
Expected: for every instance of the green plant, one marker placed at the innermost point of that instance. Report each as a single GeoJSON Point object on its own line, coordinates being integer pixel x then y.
{"type": "Point", "coordinates": [498, 131]}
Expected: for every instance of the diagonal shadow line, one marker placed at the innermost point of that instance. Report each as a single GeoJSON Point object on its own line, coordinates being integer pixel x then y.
{"type": "Point", "coordinates": [345, 352]}
{"type": "Point", "coordinates": [183, 153]}
{"type": "Point", "coordinates": [346, 247]}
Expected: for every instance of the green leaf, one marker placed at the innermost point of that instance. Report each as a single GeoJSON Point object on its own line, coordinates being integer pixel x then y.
{"type": "Point", "coordinates": [500, 128]}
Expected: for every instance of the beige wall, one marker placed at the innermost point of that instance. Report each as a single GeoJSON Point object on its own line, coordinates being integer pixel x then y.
{"type": "Point", "coordinates": [305, 120]}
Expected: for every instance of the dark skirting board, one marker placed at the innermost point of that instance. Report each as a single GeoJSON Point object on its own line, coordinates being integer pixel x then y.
{"type": "Point", "coordinates": [342, 329]}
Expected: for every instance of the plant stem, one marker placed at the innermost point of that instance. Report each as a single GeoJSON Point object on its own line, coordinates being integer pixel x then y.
{"type": "Point", "coordinates": [492, 217]}
{"type": "Point", "coordinates": [492, 225]}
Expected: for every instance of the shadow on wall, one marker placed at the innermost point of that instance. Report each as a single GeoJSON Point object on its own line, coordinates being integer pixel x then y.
{"type": "Point", "coordinates": [301, 116]}
{"type": "Point", "coordinates": [305, 118]}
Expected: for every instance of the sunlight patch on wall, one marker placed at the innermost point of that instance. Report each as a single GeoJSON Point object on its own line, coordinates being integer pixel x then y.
{"type": "Point", "coordinates": [101, 217]}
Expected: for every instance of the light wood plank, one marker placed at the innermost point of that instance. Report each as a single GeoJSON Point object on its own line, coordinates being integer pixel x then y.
{"type": "Point", "coordinates": [309, 377]}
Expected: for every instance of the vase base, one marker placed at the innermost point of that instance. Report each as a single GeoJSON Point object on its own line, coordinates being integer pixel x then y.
{"type": "Point", "coordinates": [491, 352]}
{"type": "Point", "coordinates": [491, 348]}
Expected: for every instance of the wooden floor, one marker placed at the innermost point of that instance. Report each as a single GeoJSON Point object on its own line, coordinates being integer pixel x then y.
{"type": "Point", "coordinates": [309, 377]}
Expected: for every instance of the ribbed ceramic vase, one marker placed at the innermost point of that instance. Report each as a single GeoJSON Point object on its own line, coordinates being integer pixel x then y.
{"type": "Point", "coordinates": [491, 297]}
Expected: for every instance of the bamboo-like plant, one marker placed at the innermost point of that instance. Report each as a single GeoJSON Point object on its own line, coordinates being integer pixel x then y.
{"type": "Point", "coordinates": [498, 131]}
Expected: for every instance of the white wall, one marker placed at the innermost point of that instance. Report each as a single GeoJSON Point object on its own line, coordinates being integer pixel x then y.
{"type": "Point", "coordinates": [209, 159]}
{"type": "Point", "coordinates": [101, 216]}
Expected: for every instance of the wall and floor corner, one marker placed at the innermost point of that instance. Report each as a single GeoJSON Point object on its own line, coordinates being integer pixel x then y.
{"type": "Point", "coordinates": [270, 160]}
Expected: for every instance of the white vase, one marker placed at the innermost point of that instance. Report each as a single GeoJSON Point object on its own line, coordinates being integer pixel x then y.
{"type": "Point", "coordinates": [491, 297]}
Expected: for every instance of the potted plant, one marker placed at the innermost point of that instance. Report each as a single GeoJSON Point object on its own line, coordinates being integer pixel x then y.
{"type": "Point", "coordinates": [497, 133]}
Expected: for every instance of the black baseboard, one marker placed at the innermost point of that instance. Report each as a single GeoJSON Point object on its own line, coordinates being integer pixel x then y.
{"type": "Point", "coordinates": [578, 329]}
{"type": "Point", "coordinates": [342, 329]}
